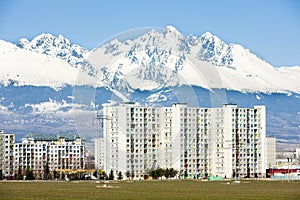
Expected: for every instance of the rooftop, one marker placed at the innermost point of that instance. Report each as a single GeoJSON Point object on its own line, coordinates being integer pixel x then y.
{"type": "Point", "coordinates": [51, 137]}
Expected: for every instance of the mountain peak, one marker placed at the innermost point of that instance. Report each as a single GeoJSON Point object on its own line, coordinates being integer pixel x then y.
{"type": "Point", "coordinates": [210, 37]}
{"type": "Point", "coordinates": [59, 47]}
{"type": "Point", "coordinates": [172, 30]}
{"type": "Point", "coordinates": [22, 43]}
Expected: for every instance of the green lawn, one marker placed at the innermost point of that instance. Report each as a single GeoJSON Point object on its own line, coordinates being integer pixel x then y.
{"type": "Point", "coordinates": [184, 189]}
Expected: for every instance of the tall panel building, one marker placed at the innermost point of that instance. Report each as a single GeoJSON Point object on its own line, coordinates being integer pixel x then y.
{"type": "Point", "coordinates": [198, 142]}
{"type": "Point", "coordinates": [7, 141]}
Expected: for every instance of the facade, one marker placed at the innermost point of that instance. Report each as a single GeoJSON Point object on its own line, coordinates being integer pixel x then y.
{"type": "Point", "coordinates": [270, 152]}
{"type": "Point", "coordinates": [198, 142]}
{"type": "Point", "coordinates": [99, 153]}
{"type": "Point", "coordinates": [35, 152]}
{"type": "Point", "coordinates": [7, 141]}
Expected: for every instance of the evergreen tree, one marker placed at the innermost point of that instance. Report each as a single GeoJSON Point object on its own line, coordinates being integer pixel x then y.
{"type": "Point", "coordinates": [111, 175]}
{"type": "Point", "coordinates": [120, 176]}
{"type": "Point", "coordinates": [95, 173]}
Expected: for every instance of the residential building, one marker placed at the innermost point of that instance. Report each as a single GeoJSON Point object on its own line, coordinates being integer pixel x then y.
{"type": "Point", "coordinates": [198, 142]}
{"type": "Point", "coordinates": [59, 153]}
{"type": "Point", "coordinates": [6, 154]}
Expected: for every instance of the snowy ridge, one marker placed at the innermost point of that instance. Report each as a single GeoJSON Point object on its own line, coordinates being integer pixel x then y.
{"type": "Point", "coordinates": [22, 67]}
{"type": "Point", "coordinates": [155, 60]}
{"type": "Point", "coordinates": [146, 69]}
{"type": "Point", "coordinates": [151, 61]}
{"type": "Point", "coordinates": [58, 47]}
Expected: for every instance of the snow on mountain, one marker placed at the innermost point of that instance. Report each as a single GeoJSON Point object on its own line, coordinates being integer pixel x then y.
{"type": "Point", "coordinates": [59, 47]}
{"type": "Point", "coordinates": [292, 72]}
{"type": "Point", "coordinates": [22, 67]}
{"type": "Point", "coordinates": [147, 69]}
{"type": "Point", "coordinates": [155, 60]}
{"type": "Point", "coordinates": [167, 58]}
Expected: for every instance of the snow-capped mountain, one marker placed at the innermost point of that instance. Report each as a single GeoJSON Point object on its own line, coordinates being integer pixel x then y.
{"type": "Point", "coordinates": [46, 83]}
{"type": "Point", "coordinates": [58, 47]}
{"type": "Point", "coordinates": [159, 59]}
{"type": "Point", "coordinates": [22, 67]}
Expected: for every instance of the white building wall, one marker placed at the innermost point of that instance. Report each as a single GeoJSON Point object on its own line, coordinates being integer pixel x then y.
{"type": "Point", "coordinates": [6, 154]}
{"type": "Point", "coordinates": [176, 135]}
{"type": "Point", "coordinates": [195, 141]}
{"type": "Point", "coordinates": [122, 114]}
{"type": "Point", "coordinates": [228, 130]}
{"type": "Point", "coordinates": [261, 120]}
{"type": "Point", "coordinates": [270, 152]}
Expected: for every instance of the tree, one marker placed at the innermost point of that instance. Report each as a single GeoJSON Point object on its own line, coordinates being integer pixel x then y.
{"type": "Point", "coordinates": [132, 175]}
{"type": "Point", "coordinates": [55, 174]}
{"type": "Point", "coordinates": [128, 174]}
{"type": "Point", "coordinates": [95, 173]}
{"type": "Point", "coordinates": [233, 173]}
{"type": "Point", "coordinates": [46, 171]}
{"type": "Point", "coordinates": [172, 172]}
{"type": "Point", "coordinates": [185, 174]}
{"type": "Point", "coordinates": [153, 174]}
{"type": "Point", "coordinates": [120, 175]}
{"type": "Point", "coordinates": [29, 174]}
{"type": "Point", "coordinates": [111, 175]}
{"type": "Point", "coordinates": [167, 173]}
{"type": "Point", "coordinates": [159, 173]}
{"type": "Point", "coordinates": [20, 174]}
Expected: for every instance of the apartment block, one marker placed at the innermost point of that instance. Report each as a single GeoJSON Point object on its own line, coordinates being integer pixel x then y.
{"type": "Point", "coordinates": [7, 141]}
{"type": "Point", "coordinates": [60, 153]}
{"type": "Point", "coordinates": [198, 142]}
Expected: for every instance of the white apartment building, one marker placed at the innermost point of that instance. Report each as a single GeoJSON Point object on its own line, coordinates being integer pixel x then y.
{"type": "Point", "coordinates": [198, 142]}
{"type": "Point", "coordinates": [6, 154]}
{"type": "Point", "coordinates": [35, 152]}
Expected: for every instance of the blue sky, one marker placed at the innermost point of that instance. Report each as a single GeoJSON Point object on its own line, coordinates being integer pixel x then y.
{"type": "Point", "coordinates": [269, 28]}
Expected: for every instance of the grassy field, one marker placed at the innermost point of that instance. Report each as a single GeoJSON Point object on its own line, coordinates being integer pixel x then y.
{"type": "Point", "coordinates": [151, 190]}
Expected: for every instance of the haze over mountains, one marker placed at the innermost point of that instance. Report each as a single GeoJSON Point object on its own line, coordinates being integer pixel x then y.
{"type": "Point", "coordinates": [38, 78]}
